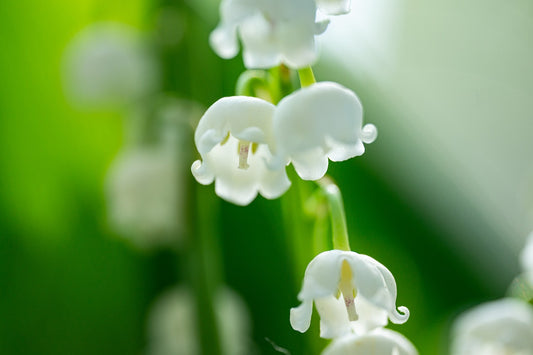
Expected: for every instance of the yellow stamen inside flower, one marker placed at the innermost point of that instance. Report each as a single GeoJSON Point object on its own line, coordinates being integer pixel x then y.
{"type": "Point", "coordinates": [244, 149]}
{"type": "Point", "coordinates": [348, 291]}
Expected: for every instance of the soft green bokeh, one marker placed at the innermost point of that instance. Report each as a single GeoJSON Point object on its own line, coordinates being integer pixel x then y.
{"type": "Point", "coordinates": [68, 285]}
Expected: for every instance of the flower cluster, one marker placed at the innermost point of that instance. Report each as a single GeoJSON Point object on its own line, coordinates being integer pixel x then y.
{"type": "Point", "coordinates": [273, 31]}
{"type": "Point", "coordinates": [246, 142]}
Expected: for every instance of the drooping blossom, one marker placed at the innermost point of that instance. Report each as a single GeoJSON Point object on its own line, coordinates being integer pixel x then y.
{"type": "Point", "coordinates": [503, 327]}
{"type": "Point", "coordinates": [352, 293]}
{"type": "Point", "coordinates": [234, 139]}
{"type": "Point", "coordinates": [316, 123]}
{"type": "Point", "coordinates": [272, 31]}
{"type": "Point", "coordinates": [173, 325]}
{"type": "Point", "coordinates": [379, 341]}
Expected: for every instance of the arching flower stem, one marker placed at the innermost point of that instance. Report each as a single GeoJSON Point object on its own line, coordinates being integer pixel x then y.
{"type": "Point", "coordinates": [338, 217]}
{"type": "Point", "coordinates": [253, 83]}
{"type": "Point", "coordinates": [307, 77]}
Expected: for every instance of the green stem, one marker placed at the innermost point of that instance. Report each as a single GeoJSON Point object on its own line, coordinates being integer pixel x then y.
{"type": "Point", "coordinates": [252, 83]}
{"type": "Point", "coordinates": [338, 217]}
{"type": "Point", "coordinates": [307, 77]}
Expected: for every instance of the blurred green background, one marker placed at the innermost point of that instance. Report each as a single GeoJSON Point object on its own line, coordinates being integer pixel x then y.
{"type": "Point", "coordinates": [443, 197]}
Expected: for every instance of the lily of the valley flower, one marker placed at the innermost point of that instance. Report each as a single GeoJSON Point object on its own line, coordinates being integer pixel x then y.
{"type": "Point", "coordinates": [234, 138]}
{"type": "Point", "coordinates": [377, 342]}
{"type": "Point", "coordinates": [352, 293]}
{"type": "Point", "coordinates": [320, 122]}
{"type": "Point", "coordinates": [272, 31]}
{"type": "Point", "coordinates": [503, 327]}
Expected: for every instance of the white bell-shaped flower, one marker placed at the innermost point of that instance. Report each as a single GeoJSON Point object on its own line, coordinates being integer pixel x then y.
{"type": "Point", "coordinates": [271, 31]}
{"type": "Point", "coordinates": [503, 327]}
{"type": "Point", "coordinates": [319, 122]}
{"type": "Point", "coordinates": [368, 292]}
{"type": "Point", "coordinates": [526, 259]}
{"type": "Point", "coordinates": [144, 196]}
{"type": "Point", "coordinates": [234, 138]}
{"type": "Point", "coordinates": [377, 342]}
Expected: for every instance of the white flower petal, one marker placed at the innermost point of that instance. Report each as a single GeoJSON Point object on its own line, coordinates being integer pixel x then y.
{"type": "Point", "coordinates": [373, 284]}
{"type": "Point", "coordinates": [201, 174]}
{"type": "Point", "coordinates": [272, 32]}
{"type": "Point", "coordinates": [322, 275]}
{"type": "Point", "coordinates": [323, 117]}
{"type": "Point", "coordinates": [236, 114]}
{"type": "Point", "coordinates": [311, 165]}
{"type": "Point", "coordinates": [378, 342]}
{"type": "Point", "coordinates": [300, 316]}
{"type": "Point", "coordinates": [224, 42]}
{"type": "Point", "coordinates": [334, 7]}
{"type": "Point", "coordinates": [370, 316]}
{"type": "Point", "coordinates": [376, 283]}
{"type": "Point", "coordinates": [217, 138]}
{"type": "Point", "coordinates": [505, 325]}
{"type": "Point", "coordinates": [334, 320]}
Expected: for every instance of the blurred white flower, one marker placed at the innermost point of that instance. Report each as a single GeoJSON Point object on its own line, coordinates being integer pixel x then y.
{"type": "Point", "coordinates": [503, 327]}
{"type": "Point", "coordinates": [144, 195]}
{"type": "Point", "coordinates": [107, 65]}
{"type": "Point", "coordinates": [377, 342]}
{"type": "Point", "coordinates": [368, 295]}
{"type": "Point", "coordinates": [334, 7]}
{"type": "Point", "coordinates": [316, 123]}
{"type": "Point", "coordinates": [172, 324]}
{"type": "Point", "coordinates": [272, 32]}
{"type": "Point", "coordinates": [526, 259]}
{"type": "Point", "coordinates": [234, 138]}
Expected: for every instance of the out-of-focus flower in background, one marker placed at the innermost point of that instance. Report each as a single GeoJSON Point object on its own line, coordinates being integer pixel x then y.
{"type": "Point", "coordinates": [144, 198]}
{"type": "Point", "coordinates": [109, 66]}
{"type": "Point", "coordinates": [172, 323]}
{"type": "Point", "coordinates": [495, 328]}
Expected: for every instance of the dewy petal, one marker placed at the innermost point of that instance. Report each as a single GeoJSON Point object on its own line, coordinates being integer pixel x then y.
{"type": "Point", "coordinates": [323, 116]}
{"type": "Point", "coordinates": [378, 342]}
{"type": "Point", "coordinates": [506, 324]}
{"type": "Point", "coordinates": [300, 316]}
{"type": "Point", "coordinates": [334, 320]}
{"type": "Point", "coordinates": [334, 7]}
{"type": "Point", "coordinates": [217, 138]}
